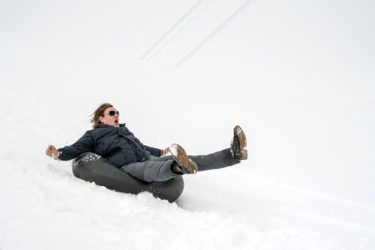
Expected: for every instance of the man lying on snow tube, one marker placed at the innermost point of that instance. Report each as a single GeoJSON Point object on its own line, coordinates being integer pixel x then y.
{"type": "Point", "coordinates": [119, 147]}
{"type": "Point", "coordinates": [93, 168]}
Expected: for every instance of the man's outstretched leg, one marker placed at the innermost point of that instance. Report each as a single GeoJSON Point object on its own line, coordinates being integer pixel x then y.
{"type": "Point", "coordinates": [227, 157]}
{"type": "Point", "coordinates": [224, 158]}
{"type": "Point", "coordinates": [168, 167]}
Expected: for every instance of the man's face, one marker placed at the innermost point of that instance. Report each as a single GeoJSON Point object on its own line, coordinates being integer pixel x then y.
{"type": "Point", "coordinates": [111, 117]}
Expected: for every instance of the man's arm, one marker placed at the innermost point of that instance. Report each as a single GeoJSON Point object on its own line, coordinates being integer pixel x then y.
{"type": "Point", "coordinates": [84, 144]}
{"type": "Point", "coordinates": [155, 151]}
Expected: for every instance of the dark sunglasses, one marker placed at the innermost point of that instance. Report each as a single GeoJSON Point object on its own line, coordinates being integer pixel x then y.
{"type": "Point", "coordinates": [112, 113]}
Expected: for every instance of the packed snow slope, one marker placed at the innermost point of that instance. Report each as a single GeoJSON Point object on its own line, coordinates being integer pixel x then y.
{"type": "Point", "coordinates": [43, 206]}
{"type": "Point", "coordinates": [298, 77]}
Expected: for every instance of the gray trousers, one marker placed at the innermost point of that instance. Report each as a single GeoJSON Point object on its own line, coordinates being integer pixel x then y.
{"type": "Point", "coordinates": [159, 168]}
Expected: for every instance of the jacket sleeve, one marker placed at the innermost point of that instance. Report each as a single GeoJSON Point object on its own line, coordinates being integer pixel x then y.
{"type": "Point", "coordinates": [84, 144]}
{"type": "Point", "coordinates": [153, 151]}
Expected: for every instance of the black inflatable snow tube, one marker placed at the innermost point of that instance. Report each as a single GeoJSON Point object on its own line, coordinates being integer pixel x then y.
{"type": "Point", "coordinates": [93, 168]}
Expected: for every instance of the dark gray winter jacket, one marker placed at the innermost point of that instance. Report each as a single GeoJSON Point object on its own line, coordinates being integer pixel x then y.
{"type": "Point", "coordinates": [118, 145]}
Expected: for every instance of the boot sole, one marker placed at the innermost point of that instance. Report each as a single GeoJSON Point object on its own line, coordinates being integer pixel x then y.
{"type": "Point", "coordinates": [180, 156]}
{"type": "Point", "coordinates": [242, 139]}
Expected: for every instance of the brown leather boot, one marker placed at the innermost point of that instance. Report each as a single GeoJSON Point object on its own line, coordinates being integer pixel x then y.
{"type": "Point", "coordinates": [186, 165]}
{"type": "Point", "coordinates": [238, 145]}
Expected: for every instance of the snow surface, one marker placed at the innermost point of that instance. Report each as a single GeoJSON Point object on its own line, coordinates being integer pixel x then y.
{"type": "Point", "coordinates": [43, 206]}
{"type": "Point", "coordinates": [297, 77]}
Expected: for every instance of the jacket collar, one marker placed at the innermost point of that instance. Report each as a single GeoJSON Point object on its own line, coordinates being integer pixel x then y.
{"type": "Point", "coordinates": [102, 125]}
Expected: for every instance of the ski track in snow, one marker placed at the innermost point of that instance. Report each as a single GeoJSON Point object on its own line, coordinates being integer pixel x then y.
{"type": "Point", "coordinates": [43, 206]}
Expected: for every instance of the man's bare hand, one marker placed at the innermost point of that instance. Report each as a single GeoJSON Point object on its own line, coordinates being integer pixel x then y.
{"type": "Point", "coordinates": [52, 152]}
{"type": "Point", "coordinates": [165, 151]}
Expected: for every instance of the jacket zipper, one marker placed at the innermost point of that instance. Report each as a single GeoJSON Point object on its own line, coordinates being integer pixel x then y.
{"type": "Point", "coordinates": [131, 149]}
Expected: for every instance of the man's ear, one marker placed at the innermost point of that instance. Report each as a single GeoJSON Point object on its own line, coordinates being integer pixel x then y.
{"type": "Point", "coordinates": [101, 119]}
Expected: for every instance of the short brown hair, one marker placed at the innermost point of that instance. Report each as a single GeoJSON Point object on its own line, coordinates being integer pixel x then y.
{"type": "Point", "coordinates": [99, 112]}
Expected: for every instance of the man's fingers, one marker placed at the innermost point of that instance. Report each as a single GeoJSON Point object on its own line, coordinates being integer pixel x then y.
{"type": "Point", "coordinates": [166, 151]}
{"type": "Point", "coordinates": [49, 150]}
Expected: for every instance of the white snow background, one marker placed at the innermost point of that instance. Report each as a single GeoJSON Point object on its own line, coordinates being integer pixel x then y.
{"type": "Point", "coordinates": [298, 76]}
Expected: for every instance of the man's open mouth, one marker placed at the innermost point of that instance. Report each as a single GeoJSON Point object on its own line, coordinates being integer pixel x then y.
{"type": "Point", "coordinates": [116, 121]}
